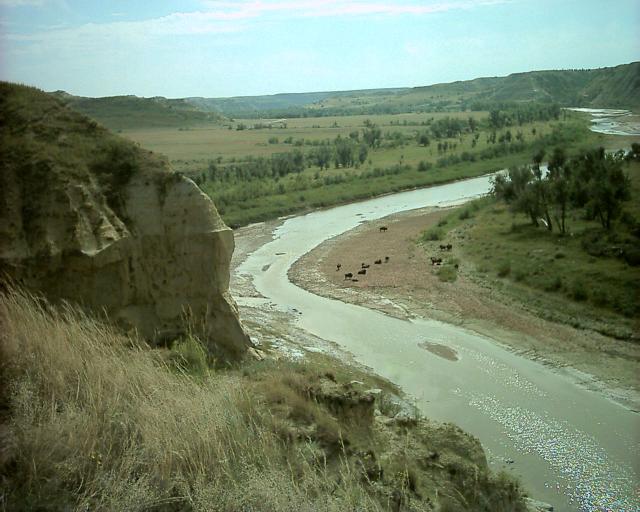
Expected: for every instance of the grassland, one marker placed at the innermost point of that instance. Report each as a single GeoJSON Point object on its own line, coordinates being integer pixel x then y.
{"type": "Point", "coordinates": [93, 420]}
{"type": "Point", "coordinates": [394, 165]}
{"type": "Point", "coordinates": [587, 278]}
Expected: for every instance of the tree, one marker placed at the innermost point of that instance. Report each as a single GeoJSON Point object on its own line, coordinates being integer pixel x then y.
{"type": "Point", "coordinates": [372, 135]}
{"type": "Point", "coordinates": [609, 187]}
{"type": "Point", "coordinates": [423, 139]}
{"type": "Point", "coordinates": [558, 186]}
{"type": "Point", "coordinates": [362, 153]}
{"type": "Point", "coordinates": [515, 190]}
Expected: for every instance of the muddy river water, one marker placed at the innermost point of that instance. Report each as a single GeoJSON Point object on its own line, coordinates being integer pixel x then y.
{"type": "Point", "coordinates": [571, 446]}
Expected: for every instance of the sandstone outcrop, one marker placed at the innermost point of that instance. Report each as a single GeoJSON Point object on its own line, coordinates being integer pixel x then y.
{"type": "Point", "coordinates": [88, 217]}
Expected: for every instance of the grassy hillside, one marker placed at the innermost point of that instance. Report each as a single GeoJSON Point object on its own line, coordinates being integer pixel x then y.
{"type": "Point", "coordinates": [92, 420]}
{"type": "Point", "coordinates": [605, 87]}
{"type": "Point", "coordinates": [122, 112]}
{"type": "Point", "coordinates": [588, 277]}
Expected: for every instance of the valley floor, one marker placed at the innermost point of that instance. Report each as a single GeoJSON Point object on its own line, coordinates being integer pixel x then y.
{"type": "Point", "coordinates": [408, 286]}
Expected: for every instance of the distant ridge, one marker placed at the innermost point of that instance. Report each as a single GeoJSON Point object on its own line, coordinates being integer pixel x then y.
{"type": "Point", "coordinates": [615, 87]}
{"type": "Point", "coordinates": [611, 87]}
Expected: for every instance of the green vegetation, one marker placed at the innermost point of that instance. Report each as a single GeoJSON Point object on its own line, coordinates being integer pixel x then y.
{"type": "Point", "coordinates": [263, 172]}
{"type": "Point", "coordinates": [95, 420]}
{"type": "Point", "coordinates": [586, 274]}
{"type": "Point", "coordinates": [126, 112]}
{"type": "Point", "coordinates": [601, 88]}
{"type": "Point", "coordinates": [62, 144]}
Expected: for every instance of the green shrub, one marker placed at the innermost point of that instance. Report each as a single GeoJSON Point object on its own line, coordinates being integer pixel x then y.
{"type": "Point", "coordinates": [432, 235]}
{"type": "Point", "coordinates": [555, 285]}
{"type": "Point", "coordinates": [504, 269]}
{"type": "Point", "coordinates": [465, 214]}
{"type": "Point", "coordinates": [447, 273]}
{"type": "Point", "coordinates": [519, 275]}
{"type": "Point", "coordinates": [190, 356]}
{"type": "Point", "coordinates": [579, 291]}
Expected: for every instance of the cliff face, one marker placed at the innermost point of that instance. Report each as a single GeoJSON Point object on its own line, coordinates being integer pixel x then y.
{"type": "Point", "coordinates": [91, 218]}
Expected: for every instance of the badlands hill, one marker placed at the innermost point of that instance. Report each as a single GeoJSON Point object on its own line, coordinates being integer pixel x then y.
{"type": "Point", "coordinates": [88, 217]}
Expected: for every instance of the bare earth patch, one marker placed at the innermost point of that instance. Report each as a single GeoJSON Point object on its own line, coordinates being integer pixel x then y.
{"type": "Point", "coordinates": [408, 286]}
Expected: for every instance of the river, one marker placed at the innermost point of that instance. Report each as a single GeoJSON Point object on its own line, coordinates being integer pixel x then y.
{"type": "Point", "coordinates": [571, 446]}
{"type": "Point", "coordinates": [611, 121]}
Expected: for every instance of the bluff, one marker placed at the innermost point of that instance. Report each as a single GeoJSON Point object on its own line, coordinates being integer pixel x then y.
{"type": "Point", "coordinates": [88, 217]}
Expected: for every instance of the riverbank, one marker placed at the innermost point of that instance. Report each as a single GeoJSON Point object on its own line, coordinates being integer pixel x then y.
{"type": "Point", "coordinates": [408, 286]}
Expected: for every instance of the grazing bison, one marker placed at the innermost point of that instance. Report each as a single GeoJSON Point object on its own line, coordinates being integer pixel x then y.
{"type": "Point", "coordinates": [338, 266]}
{"type": "Point", "coordinates": [449, 247]}
{"type": "Point", "coordinates": [383, 228]}
{"type": "Point", "coordinates": [354, 280]}
{"type": "Point", "coordinates": [365, 266]}
{"type": "Point", "coordinates": [386, 259]}
{"type": "Point", "coordinates": [443, 247]}
{"type": "Point", "coordinates": [435, 261]}
{"type": "Point", "coordinates": [377, 262]}
{"type": "Point", "coordinates": [348, 275]}
{"type": "Point", "coordinates": [362, 272]}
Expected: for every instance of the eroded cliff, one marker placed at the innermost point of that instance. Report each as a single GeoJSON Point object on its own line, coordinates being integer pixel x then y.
{"type": "Point", "coordinates": [88, 217]}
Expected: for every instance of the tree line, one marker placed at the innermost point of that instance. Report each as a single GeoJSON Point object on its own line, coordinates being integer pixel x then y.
{"type": "Point", "coordinates": [593, 181]}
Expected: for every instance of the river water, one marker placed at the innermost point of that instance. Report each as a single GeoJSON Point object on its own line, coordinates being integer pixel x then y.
{"type": "Point", "coordinates": [572, 447]}
{"type": "Point", "coordinates": [612, 122]}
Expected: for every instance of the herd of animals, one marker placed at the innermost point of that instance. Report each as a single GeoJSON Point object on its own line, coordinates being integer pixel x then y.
{"type": "Point", "coordinates": [349, 276]}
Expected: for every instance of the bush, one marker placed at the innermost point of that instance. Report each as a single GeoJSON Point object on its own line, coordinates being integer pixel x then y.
{"type": "Point", "coordinates": [555, 285]}
{"type": "Point", "coordinates": [504, 269]}
{"type": "Point", "coordinates": [447, 273]}
{"type": "Point", "coordinates": [190, 356]}
{"type": "Point", "coordinates": [519, 275]}
{"type": "Point", "coordinates": [465, 214]}
{"type": "Point", "coordinates": [432, 235]}
{"type": "Point", "coordinates": [579, 291]}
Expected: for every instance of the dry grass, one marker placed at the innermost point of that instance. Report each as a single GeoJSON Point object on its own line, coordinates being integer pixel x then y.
{"type": "Point", "coordinates": [99, 421]}
{"type": "Point", "coordinates": [93, 420]}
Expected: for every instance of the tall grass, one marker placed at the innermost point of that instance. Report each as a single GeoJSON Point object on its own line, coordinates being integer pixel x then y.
{"type": "Point", "coordinates": [93, 420]}
{"type": "Point", "coordinates": [99, 422]}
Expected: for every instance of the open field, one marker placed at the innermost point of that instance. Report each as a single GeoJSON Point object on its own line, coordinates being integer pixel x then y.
{"type": "Point", "coordinates": [192, 149]}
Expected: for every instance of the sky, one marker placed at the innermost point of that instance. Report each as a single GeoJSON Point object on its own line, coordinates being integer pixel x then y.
{"type": "Point", "coordinates": [217, 48]}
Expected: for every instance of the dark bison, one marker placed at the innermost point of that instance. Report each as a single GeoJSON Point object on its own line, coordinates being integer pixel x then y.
{"type": "Point", "coordinates": [348, 275]}
{"type": "Point", "coordinates": [383, 228]}
{"type": "Point", "coordinates": [364, 265]}
{"type": "Point", "coordinates": [377, 262]}
{"type": "Point", "coordinates": [435, 261]}
{"type": "Point", "coordinates": [338, 266]}
{"type": "Point", "coordinates": [362, 272]}
{"type": "Point", "coordinates": [386, 259]}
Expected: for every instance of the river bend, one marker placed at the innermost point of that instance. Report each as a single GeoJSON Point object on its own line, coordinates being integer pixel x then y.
{"type": "Point", "coordinates": [571, 446]}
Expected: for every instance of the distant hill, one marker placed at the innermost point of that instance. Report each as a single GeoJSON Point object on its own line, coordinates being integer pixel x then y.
{"type": "Point", "coordinates": [614, 87]}
{"type": "Point", "coordinates": [604, 87]}
{"type": "Point", "coordinates": [242, 106]}
{"type": "Point", "coordinates": [122, 112]}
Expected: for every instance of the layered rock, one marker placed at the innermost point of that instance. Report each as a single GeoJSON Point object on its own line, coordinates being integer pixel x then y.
{"type": "Point", "coordinates": [90, 218]}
